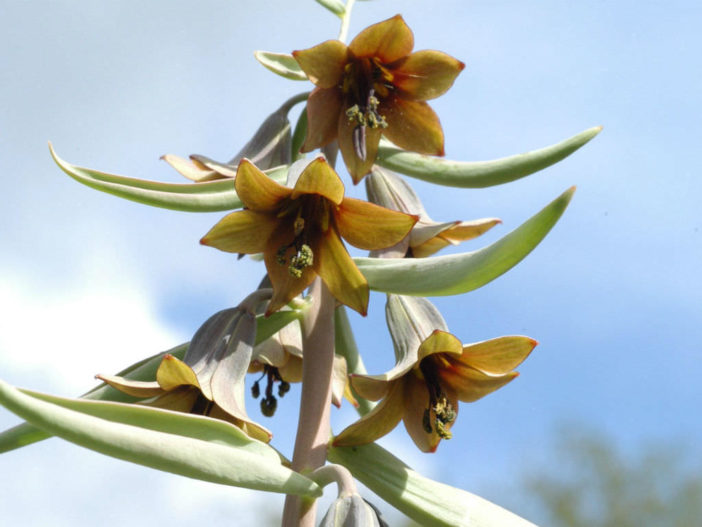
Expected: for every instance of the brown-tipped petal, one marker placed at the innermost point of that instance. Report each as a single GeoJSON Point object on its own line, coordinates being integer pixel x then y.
{"type": "Point", "coordinates": [340, 274]}
{"type": "Point", "coordinates": [470, 384]}
{"type": "Point", "coordinates": [416, 402]}
{"type": "Point", "coordinates": [369, 388]}
{"type": "Point", "coordinates": [429, 247]}
{"type": "Point", "coordinates": [429, 239]}
{"type": "Point", "coordinates": [323, 63]}
{"type": "Point", "coordinates": [388, 40]}
{"type": "Point", "coordinates": [250, 428]}
{"type": "Point", "coordinates": [319, 178]}
{"type": "Point", "coordinates": [426, 75]}
{"type": "Point", "coordinates": [173, 372]}
{"type": "Point", "coordinates": [369, 226]}
{"type": "Point", "coordinates": [256, 190]}
{"type": "Point", "coordinates": [323, 109]}
{"type": "Point", "coordinates": [139, 389]}
{"type": "Point", "coordinates": [376, 423]}
{"type": "Point", "coordinates": [497, 356]}
{"type": "Point", "coordinates": [357, 166]}
{"type": "Point", "coordinates": [285, 286]}
{"type": "Point", "coordinates": [413, 126]}
{"type": "Point", "coordinates": [192, 170]}
{"type": "Point", "coordinates": [439, 342]}
{"type": "Point", "coordinates": [181, 399]}
{"type": "Point", "coordinates": [243, 231]}
{"type": "Point", "coordinates": [467, 230]}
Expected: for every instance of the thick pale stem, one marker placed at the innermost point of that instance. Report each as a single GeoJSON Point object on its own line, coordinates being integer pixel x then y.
{"type": "Point", "coordinates": [313, 429]}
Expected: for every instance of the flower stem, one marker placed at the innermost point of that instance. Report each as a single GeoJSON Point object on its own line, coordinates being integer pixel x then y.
{"type": "Point", "coordinates": [346, 20]}
{"type": "Point", "coordinates": [313, 429]}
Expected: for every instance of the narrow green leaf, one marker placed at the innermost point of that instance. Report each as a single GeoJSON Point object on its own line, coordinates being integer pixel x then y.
{"type": "Point", "coordinates": [454, 274]}
{"type": "Point", "coordinates": [170, 422]}
{"type": "Point", "coordinates": [480, 174]}
{"type": "Point", "coordinates": [145, 370]}
{"type": "Point", "coordinates": [211, 196]}
{"type": "Point", "coordinates": [335, 6]}
{"type": "Point", "coordinates": [422, 499]}
{"type": "Point", "coordinates": [283, 64]}
{"type": "Point", "coordinates": [178, 454]}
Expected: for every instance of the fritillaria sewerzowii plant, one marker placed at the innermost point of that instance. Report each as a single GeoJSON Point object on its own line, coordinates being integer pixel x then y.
{"type": "Point", "coordinates": [183, 411]}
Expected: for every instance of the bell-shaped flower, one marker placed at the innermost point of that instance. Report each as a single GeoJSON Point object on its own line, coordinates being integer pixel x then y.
{"type": "Point", "coordinates": [210, 378]}
{"type": "Point", "coordinates": [279, 359]}
{"type": "Point", "coordinates": [299, 231]}
{"type": "Point", "coordinates": [428, 236]}
{"type": "Point", "coordinates": [433, 372]}
{"type": "Point", "coordinates": [375, 86]}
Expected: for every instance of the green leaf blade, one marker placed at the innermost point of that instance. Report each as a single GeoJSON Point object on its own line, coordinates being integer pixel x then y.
{"type": "Point", "coordinates": [183, 455]}
{"type": "Point", "coordinates": [422, 499]}
{"type": "Point", "coordinates": [460, 273]}
{"type": "Point", "coordinates": [480, 174]}
{"type": "Point", "coordinates": [212, 196]}
{"type": "Point", "coordinates": [281, 64]}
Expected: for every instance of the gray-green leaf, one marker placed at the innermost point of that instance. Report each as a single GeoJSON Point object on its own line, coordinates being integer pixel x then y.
{"type": "Point", "coordinates": [283, 64]}
{"type": "Point", "coordinates": [454, 274]}
{"type": "Point", "coordinates": [479, 174]}
{"type": "Point", "coordinates": [157, 444]}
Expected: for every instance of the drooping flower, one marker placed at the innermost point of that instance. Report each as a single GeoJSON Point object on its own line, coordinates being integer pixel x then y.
{"type": "Point", "coordinates": [299, 232]}
{"type": "Point", "coordinates": [210, 378]}
{"type": "Point", "coordinates": [375, 86]}
{"type": "Point", "coordinates": [279, 360]}
{"type": "Point", "coordinates": [428, 236]}
{"type": "Point", "coordinates": [433, 372]}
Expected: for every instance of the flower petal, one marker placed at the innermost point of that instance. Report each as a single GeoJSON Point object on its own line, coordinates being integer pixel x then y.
{"type": "Point", "coordinates": [340, 274]}
{"type": "Point", "coordinates": [376, 423]}
{"type": "Point", "coordinates": [323, 63]}
{"type": "Point", "coordinates": [470, 384]}
{"type": "Point", "coordinates": [388, 40]}
{"type": "Point", "coordinates": [243, 231]}
{"type": "Point", "coordinates": [416, 402]}
{"type": "Point", "coordinates": [413, 125]}
{"type": "Point", "coordinates": [369, 226]}
{"type": "Point", "coordinates": [371, 387]}
{"type": "Point", "coordinates": [285, 286]}
{"type": "Point", "coordinates": [357, 166]}
{"type": "Point", "coordinates": [439, 342]}
{"type": "Point", "coordinates": [319, 178]}
{"type": "Point", "coordinates": [323, 109]}
{"type": "Point", "coordinates": [426, 75]}
{"type": "Point", "coordinates": [256, 190]}
{"type": "Point", "coordinates": [139, 389]}
{"type": "Point", "coordinates": [173, 373]}
{"type": "Point", "coordinates": [499, 355]}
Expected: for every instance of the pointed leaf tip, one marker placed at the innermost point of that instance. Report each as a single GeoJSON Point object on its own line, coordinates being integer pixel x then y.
{"type": "Point", "coordinates": [480, 174]}
{"type": "Point", "coordinates": [460, 273]}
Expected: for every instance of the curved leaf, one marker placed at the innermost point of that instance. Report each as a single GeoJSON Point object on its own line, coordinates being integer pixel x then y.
{"type": "Point", "coordinates": [479, 174]}
{"type": "Point", "coordinates": [145, 370]}
{"type": "Point", "coordinates": [422, 499]}
{"type": "Point", "coordinates": [454, 274]}
{"type": "Point", "coordinates": [178, 454]}
{"type": "Point", "coordinates": [283, 64]}
{"type": "Point", "coordinates": [211, 196]}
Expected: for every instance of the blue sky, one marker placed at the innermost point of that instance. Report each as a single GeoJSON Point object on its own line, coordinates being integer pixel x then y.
{"type": "Point", "coordinates": [90, 283]}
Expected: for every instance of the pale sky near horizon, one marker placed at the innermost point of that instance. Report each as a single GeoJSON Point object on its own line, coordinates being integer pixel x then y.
{"type": "Point", "coordinates": [90, 283]}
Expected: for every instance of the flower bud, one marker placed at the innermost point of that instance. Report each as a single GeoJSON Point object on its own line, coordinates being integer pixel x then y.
{"type": "Point", "coordinates": [351, 511]}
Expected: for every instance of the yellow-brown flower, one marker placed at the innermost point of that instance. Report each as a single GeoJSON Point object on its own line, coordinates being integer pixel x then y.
{"type": "Point", "coordinates": [375, 86]}
{"type": "Point", "coordinates": [299, 232]}
{"type": "Point", "coordinates": [430, 377]}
